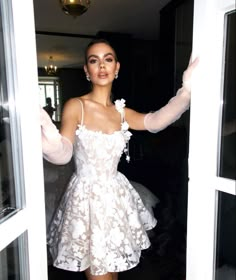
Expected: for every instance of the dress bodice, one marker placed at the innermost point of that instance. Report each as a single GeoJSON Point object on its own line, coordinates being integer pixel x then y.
{"type": "Point", "coordinates": [97, 154]}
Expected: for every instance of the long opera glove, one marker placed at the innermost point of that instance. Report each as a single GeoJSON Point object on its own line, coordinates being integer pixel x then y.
{"type": "Point", "coordinates": [172, 111]}
{"type": "Point", "coordinates": [57, 149]}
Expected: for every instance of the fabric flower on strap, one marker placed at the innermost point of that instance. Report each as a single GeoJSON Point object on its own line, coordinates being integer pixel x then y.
{"type": "Point", "coordinates": [120, 105]}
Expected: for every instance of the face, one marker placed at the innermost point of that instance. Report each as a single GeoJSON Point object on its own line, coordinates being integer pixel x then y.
{"type": "Point", "coordinates": [101, 64]}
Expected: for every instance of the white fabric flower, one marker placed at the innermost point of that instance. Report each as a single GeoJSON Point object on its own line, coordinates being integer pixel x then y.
{"type": "Point", "coordinates": [117, 236]}
{"type": "Point", "coordinates": [77, 228]}
{"type": "Point", "coordinates": [124, 126]}
{"type": "Point", "coordinates": [127, 135]}
{"type": "Point", "coordinates": [120, 104]}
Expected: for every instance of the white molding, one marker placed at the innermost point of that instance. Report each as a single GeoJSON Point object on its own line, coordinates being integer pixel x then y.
{"type": "Point", "coordinates": [12, 228]}
{"type": "Point", "coordinates": [224, 185]}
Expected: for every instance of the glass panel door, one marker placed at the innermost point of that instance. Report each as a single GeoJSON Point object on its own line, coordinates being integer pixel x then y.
{"type": "Point", "coordinates": [212, 186]}
{"type": "Point", "coordinates": [22, 211]}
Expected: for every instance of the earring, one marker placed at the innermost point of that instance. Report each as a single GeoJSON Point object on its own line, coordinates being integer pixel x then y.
{"type": "Point", "coordinates": [87, 77]}
{"type": "Point", "coordinates": [116, 75]}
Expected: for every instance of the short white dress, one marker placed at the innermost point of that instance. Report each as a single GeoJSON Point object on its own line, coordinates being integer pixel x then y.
{"type": "Point", "coordinates": [101, 221]}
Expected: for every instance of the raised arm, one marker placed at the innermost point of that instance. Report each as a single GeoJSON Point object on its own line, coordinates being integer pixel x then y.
{"type": "Point", "coordinates": [169, 113]}
{"type": "Point", "coordinates": [58, 147]}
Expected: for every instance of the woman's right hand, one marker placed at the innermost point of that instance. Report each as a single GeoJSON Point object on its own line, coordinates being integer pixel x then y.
{"type": "Point", "coordinates": [187, 75]}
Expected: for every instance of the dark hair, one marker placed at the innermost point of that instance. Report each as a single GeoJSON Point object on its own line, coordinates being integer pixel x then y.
{"type": "Point", "coordinates": [98, 41]}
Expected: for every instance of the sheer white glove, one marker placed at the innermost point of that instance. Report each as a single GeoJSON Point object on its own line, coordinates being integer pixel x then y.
{"type": "Point", "coordinates": [177, 105]}
{"type": "Point", "coordinates": [57, 149]}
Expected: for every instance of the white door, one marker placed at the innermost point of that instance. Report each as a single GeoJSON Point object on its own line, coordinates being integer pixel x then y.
{"type": "Point", "coordinates": [22, 217]}
{"type": "Point", "coordinates": [212, 185]}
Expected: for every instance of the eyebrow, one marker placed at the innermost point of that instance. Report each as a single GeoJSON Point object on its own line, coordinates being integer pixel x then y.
{"type": "Point", "coordinates": [94, 55]}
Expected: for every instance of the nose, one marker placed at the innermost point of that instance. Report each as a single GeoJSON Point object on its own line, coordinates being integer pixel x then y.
{"type": "Point", "coordinates": [102, 65]}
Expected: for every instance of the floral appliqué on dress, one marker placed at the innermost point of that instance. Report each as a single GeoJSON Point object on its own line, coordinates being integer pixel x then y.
{"type": "Point", "coordinates": [120, 105]}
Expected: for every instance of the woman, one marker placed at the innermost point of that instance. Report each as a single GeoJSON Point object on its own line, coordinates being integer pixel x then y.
{"type": "Point", "coordinates": [101, 223]}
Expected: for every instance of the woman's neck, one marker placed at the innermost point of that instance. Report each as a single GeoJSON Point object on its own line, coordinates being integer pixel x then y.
{"type": "Point", "coordinates": [101, 95]}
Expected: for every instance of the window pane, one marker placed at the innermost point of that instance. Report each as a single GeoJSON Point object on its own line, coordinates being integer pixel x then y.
{"type": "Point", "coordinates": [10, 165]}
{"type": "Point", "coordinates": [226, 226]}
{"type": "Point", "coordinates": [49, 88]}
{"type": "Point", "coordinates": [227, 164]}
{"type": "Point", "coordinates": [13, 264]}
{"type": "Point", "coordinates": [42, 100]}
{"type": "Point", "coordinates": [7, 188]}
{"type": "Point", "coordinates": [226, 238]}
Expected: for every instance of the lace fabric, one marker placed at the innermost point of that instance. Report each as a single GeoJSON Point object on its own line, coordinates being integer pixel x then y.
{"type": "Point", "coordinates": [101, 221]}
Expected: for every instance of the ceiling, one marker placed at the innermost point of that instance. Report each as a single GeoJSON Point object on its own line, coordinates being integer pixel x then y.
{"type": "Point", "coordinates": [140, 18]}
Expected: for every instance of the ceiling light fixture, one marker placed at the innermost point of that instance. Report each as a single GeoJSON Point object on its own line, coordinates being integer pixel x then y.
{"type": "Point", "coordinates": [75, 7]}
{"type": "Point", "coordinates": [51, 69]}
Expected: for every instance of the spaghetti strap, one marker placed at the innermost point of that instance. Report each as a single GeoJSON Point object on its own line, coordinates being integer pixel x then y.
{"type": "Point", "coordinates": [122, 115]}
{"type": "Point", "coordinates": [82, 111]}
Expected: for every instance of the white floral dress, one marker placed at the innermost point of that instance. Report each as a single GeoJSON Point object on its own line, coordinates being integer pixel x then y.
{"type": "Point", "coordinates": [101, 222]}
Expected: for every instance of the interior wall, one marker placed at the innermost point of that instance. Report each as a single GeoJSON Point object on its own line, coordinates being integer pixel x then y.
{"type": "Point", "coordinates": [137, 77]}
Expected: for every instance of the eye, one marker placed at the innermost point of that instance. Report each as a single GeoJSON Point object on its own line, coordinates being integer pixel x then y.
{"type": "Point", "coordinates": [109, 59]}
{"type": "Point", "coordinates": [92, 60]}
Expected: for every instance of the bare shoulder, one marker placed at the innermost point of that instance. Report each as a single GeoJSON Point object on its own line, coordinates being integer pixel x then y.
{"type": "Point", "coordinates": [73, 102]}
{"type": "Point", "coordinates": [72, 108]}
